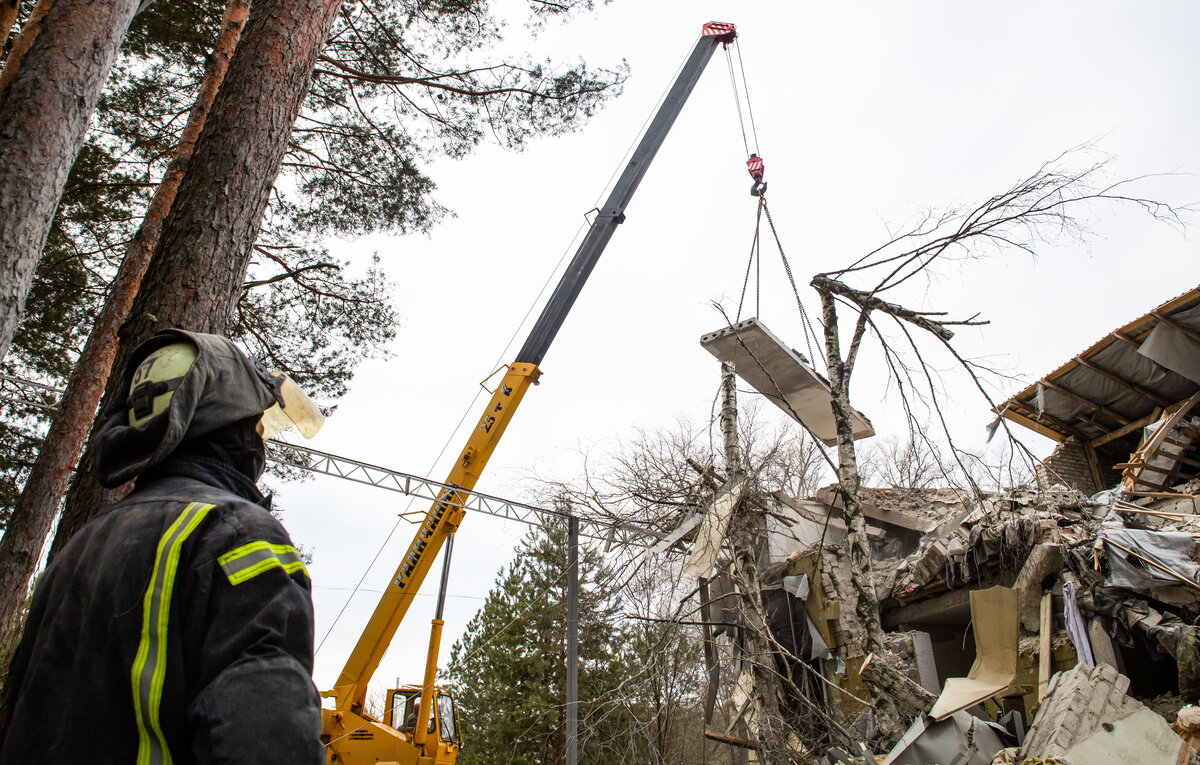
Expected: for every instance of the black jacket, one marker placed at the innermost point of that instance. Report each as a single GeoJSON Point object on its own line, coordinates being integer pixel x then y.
{"type": "Point", "coordinates": [176, 627]}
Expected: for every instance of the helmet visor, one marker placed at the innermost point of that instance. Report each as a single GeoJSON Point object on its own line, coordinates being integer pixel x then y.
{"type": "Point", "coordinates": [297, 409]}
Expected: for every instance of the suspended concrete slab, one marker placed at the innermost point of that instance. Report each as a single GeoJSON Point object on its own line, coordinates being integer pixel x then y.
{"type": "Point", "coordinates": [782, 375]}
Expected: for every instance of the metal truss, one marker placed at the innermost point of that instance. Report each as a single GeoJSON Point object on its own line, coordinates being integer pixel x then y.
{"type": "Point", "coordinates": [313, 461]}
{"type": "Point", "coordinates": [24, 392]}
{"type": "Point", "coordinates": [30, 393]}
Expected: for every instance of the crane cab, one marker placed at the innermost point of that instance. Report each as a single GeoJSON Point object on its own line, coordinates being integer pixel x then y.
{"type": "Point", "coordinates": [444, 734]}
{"type": "Point", "coordinates": [360, 739]}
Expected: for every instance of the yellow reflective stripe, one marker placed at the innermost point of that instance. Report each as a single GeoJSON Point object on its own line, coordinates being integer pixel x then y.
{"type": "Point", "coordinates": [150, 664]}
{"type": "Point", "coordinates": [242, 564]}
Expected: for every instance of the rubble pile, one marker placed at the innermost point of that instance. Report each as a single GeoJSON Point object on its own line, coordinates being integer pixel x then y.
{"type": "Point", "coordinates": [1070, 607]}
{"type": "Point", "coordinates": [1102, 605]}
{"type": "Point", "coordinates": [1057, 622]}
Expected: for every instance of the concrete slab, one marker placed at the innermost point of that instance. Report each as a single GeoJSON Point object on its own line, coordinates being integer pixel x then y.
{"type": "Point", "coordinates": [776, 371]}
{"type": "Point", "coordinates": [1143, 737]}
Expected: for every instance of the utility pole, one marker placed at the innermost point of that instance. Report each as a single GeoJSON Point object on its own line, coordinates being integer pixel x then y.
{"type": "Point", "coordinates": [572, 640]}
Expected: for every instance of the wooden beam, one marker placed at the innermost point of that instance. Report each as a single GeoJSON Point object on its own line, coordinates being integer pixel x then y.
{"type": "Point", "coordinates": [1150, 445]}
{"type": "Point", "coordinates": [1163, 494]}
{"type": "Point", "coordinates": [1122, 432]}
{"type": "Point", "coordinates": [1033, 425]}
{"type": "Point", "coordinates": [1039, 417]}
{"type": "Point", "coordinates": [1122, 381]}
{"type": "Point", "coordinates": [1134, 344]}
{"type": "Point", "coordinates": [1193, 334]}
{"type": "Point", "coordinates": [1045, 627]}
{"type": "Point", "coordinates": [1093, 461]}
{"type": "Point", "coordinates": [1086, 402]}
{"type": "Point", "coordinates": [725, 738]}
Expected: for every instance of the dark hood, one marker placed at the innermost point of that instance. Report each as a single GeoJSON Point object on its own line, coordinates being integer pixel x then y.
{"type": "Point", "coordinates": [221, 388]}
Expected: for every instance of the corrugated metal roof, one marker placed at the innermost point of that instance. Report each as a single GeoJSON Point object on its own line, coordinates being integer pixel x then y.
{"type": "Point", "coordinates": [1110, 389]}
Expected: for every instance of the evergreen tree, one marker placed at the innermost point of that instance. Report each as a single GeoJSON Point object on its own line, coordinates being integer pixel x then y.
{"type": "Point", "coordinates": [384, 102]}
{"type": "Point", "coordinates": [508, 670]}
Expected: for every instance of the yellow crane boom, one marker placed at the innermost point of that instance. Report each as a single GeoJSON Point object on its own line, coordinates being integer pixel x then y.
{"type": "Point", "coordinates": [351, 736]}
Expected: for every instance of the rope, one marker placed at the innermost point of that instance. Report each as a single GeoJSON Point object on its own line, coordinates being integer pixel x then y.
{"type": "Point", "coordinates": [755, 262]}
{"type": "Point", "coordinates": [746, 89]}
{"type": "Point", "coordinates": [737, 102]}
{"type": "Point", "coordinates": [810, 333]}
{"type": "Point", "coordinates": [754, 250]}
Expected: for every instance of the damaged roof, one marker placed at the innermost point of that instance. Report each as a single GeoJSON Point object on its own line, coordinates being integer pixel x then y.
{"type": "Point", "coordinates": [1122, 382]}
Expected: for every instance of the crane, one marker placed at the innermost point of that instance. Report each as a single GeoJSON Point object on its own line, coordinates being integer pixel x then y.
{"type": "Point", "coordinates": [350, 734]}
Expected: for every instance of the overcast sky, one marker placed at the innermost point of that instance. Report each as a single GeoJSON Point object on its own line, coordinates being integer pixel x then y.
{"type": "Point", "coordinates": [867, 113]}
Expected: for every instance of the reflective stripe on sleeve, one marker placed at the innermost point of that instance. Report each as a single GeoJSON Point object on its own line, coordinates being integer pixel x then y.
{"type": "Point", "coordinates": [242, 564]}
{"type": "Point", "coordinates": [150, 664]}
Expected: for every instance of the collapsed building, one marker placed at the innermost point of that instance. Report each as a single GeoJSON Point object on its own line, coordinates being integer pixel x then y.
{"type": "Point", "coordinates": [1054, 622]}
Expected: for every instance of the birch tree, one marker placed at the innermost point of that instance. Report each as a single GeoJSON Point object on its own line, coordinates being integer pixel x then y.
{"type": "Point", "coordinates": [1040, 208]}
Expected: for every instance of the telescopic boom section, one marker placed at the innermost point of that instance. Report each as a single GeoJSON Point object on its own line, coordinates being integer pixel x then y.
{"type": "Point", "coordinates": [612, 213]}
{"type": "Point", "coordinates": [446, 513]}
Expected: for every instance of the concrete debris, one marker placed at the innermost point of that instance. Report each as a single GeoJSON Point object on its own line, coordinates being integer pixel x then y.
{"type": "Point", "coordinates": [1095, 644]}
{"type": "Point", "coordinates": [1077, 703]}
{"type": "Point", "coordinates": [1143, 737]}
{"type": "Point", "coordinates": [782, 375]}
{"type": "Point", "coordinates": [1037, 546]}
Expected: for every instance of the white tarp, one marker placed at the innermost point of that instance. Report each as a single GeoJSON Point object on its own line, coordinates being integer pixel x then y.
{"type": "Point", "coordinates": [1170, 550]}
{"type": "Point", "coordinates": [1173, 349]}
{"type": "Point", "coordinates": [713, 528]}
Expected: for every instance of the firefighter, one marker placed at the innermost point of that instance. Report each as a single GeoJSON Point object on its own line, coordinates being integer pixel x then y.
{"type": "Point", "coordinates": [176, 626]}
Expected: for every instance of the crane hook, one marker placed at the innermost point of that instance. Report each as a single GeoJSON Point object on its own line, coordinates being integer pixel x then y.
{"type": "Point", "coordinates": [755, 166]}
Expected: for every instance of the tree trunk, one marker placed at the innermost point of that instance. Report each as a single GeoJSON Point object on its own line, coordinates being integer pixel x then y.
{"type": "Point", "coordinates": [862, 580]}
{"type": "Point", "coordinates": [24, 538]}
{"type": "Point", "coordinates": [748, 542]}
{"type": "Point", "coordinates": [894, 695]}
{"type": "Point", "coordinates": [47, 97]}
{"type": "Point", "coordinates": [196, 275]}
{"type": "Point", "coordinates": [8, 19]}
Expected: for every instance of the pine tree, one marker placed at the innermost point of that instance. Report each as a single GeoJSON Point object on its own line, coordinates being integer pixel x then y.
{"type": "Point", "coordinates": [509, 669]}
{"type": "Point", "coordinates": [400, 82]}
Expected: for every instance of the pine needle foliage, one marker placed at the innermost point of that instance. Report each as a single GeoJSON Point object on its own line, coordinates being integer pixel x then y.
{"type": "Point", "coordinates": [401, 83]}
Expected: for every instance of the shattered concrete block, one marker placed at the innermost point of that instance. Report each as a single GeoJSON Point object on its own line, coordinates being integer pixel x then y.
{"type": "Point", "coordinates": [1143, 737]}
{"type": "Point", "coordinates": [1080, 715]}
{"type": "Point", "coordinates": [1044, 561]}
{"type": "Point", "coordinates": [848, 635]}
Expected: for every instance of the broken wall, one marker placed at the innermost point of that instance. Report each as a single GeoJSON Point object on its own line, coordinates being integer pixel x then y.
{"type": "Point", "coordinates": [1070, 465]}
